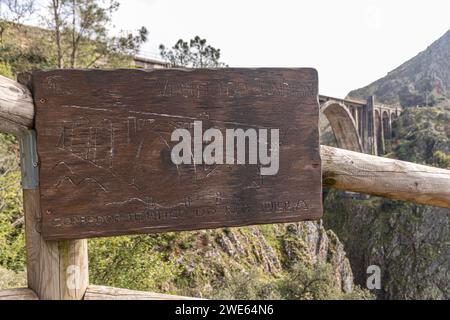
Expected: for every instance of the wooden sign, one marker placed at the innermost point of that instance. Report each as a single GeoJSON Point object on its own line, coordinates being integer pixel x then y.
{"type": "Point", "coordinates": [133, 151]}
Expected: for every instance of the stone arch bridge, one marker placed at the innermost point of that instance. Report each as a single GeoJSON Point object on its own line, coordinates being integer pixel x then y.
{"type": "Point", "coordinates": [360, 126]}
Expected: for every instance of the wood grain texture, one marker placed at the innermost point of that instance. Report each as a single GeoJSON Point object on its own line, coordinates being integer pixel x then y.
{"type": "Point", "coordinates": [104, 147]}
{"type": "Point", "coordinates": [56, 270]}
{"type": "Point", "coordinates": [16, 107]}
{"type": "Point", "coordinates": [18, 294]}
{"type": "Point", "coordinates": [389, 178]}
{"type": "Point", "coordinates": [94, 292]}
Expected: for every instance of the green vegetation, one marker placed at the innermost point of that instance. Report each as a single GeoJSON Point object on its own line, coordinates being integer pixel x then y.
{"type": "Point", "coordinates": [136, 262]}
{"type": "Point", "coordinates": [10, 279]}
{"type": "Point", "coordinates": [301, 282]}
{"type": "Point", "coordinates": [442, 159]}
{"type": "Point", "coordinates": [80, 32]}
{"type": "Point", "coordinates": [12, 245]}
{"type": "Point", "coordinates": [5, 70]}
{"type": "Point", "coordinates": [75, 34]}
{"type": "Point", "coordinates": [232, 263]}
{"type": "Point", "coordinates": [423, 135]}
{"type": "Point", "coordinates": [409, 242]}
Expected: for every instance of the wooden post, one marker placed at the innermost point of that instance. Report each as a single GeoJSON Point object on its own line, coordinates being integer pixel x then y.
{"type": "Point", "coordinates": [55, 270]}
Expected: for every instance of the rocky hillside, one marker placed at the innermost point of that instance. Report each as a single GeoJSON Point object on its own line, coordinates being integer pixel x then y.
{"type": "Point", "coordinates": [249, 263]}
{"type": "Point", "coordinates": [423, 80]}
{"type": "Point", "coordinates": [410, 243]}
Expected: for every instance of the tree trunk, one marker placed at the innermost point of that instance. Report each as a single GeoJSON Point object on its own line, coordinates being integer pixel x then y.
{"type": "Point", "coordinates": [74, 40]}
{"type": "Point", "coordinates": [56, 14]}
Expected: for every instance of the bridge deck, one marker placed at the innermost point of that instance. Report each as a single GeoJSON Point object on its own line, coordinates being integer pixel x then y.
{"type": "Point", "coordinates": [352, 102]}
{"type": "Point", "coordinates": [323, 98]}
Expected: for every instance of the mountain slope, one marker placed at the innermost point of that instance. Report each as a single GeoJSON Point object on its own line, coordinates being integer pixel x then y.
{"type": "Point", "coordinates": [408, 242]}
{"type": "Point", "coordinates": [423, 80]}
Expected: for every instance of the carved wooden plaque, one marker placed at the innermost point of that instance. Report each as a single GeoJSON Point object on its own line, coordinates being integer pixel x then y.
{"type": "Point", "coordinates": [106, 143]}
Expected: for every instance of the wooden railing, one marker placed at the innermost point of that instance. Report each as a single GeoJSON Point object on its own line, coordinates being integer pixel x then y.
{"type": "Point", "coordinates": [94, 292]}
{"type": "Point", "coordinates": [48, 262]}
{"type": "Point", "coordinates": [389, 178]}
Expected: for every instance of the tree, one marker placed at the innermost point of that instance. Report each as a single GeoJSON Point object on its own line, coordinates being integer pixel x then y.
{"type": "Point", "coordinates": [15, 12]}
{"type": "Point", "coordinates": [18, 50]}
{"type": "Point", "coordinates": [56, 13]}
{"type": "Point", "coordinates": [81, 32]}
{"type": "Point", "coordinates": [195, 54]}
{"type": "Point", "coordinates": [88, 21]}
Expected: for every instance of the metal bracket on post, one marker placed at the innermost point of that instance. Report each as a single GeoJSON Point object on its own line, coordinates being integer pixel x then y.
{"type": "Point", "coordinates": [29, 162]}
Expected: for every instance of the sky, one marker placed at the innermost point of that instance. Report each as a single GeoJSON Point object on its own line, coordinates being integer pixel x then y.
{"type": "Point", "coordinates": [350, 42]}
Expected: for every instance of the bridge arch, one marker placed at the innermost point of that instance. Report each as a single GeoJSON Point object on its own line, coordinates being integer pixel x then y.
{"type": "Point", "coordinates": [343, 125]}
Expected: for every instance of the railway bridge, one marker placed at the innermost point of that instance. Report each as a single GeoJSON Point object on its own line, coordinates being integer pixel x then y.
{"type": "Point", "coordinates": [360, 126]}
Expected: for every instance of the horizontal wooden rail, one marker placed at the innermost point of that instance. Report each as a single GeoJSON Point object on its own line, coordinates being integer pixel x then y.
{"type": "Point", "coordinates": [342, 169]}
{"type": "Point", "coordinates": [94, 292]}
{"type": "Point", "coordinates": [108, 293]}
{"type": "Point", "coordinates": [389, 178]}
{"type": "Point", "coordinates": [18, 294]}
{"type": "Point", "coordinates": [16, 107]}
